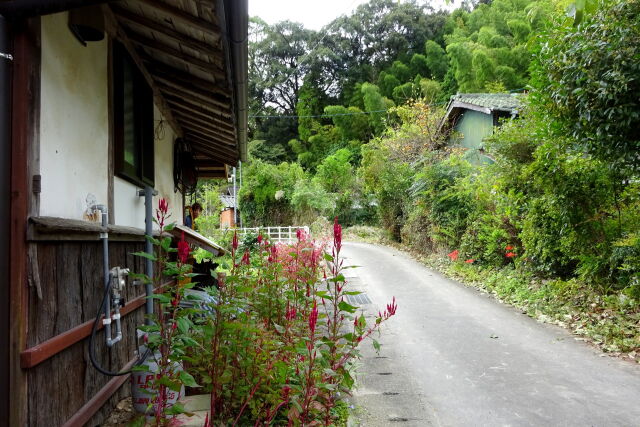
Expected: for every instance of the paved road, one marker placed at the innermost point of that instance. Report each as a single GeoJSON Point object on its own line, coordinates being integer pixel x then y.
{"type": "Point", "coordinates": [453, 356]}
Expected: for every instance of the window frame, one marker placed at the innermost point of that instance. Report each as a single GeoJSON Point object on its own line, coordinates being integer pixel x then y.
{"type": "Point", "coordinates": [142, 173]}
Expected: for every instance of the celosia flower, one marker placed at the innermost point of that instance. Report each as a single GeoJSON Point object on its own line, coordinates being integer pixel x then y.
{"type": "Point", "coordinates": [470, 261]}
{"type": "Point", "coordinates": [454, 255]}
{"type": "Point", "coordinates": [337, 234]}
{"type": "Point", "coordinates": [259, 238]}
{"type": "Point", "coordinates": [313, 318]}
{"type": "Point", "coordinates": [234, 242]}
{"type": "Point", "coordinates": [163, 206]}
{"type": "Point", "coordinates": [245, 258]}
{"type": "Point", "coordinates": [161, 212]}
{"type": "Point", "coordinates": [183, 250]}
{"type": "Point", "coordinates": [508, 248]}
{"type": "Point", "coordinates": [391, 308]}
{"type": "Point", "coordinates": [510, 255]}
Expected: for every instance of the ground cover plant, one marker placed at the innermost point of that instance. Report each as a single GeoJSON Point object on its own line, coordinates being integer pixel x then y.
{"type": "Point", "coordinates": [274, 342]}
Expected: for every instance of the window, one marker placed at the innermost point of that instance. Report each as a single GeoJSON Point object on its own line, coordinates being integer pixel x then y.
{"type": "Point", "coordinates": [133, 120]}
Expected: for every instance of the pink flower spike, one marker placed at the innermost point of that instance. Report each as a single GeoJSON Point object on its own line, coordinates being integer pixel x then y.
{"type": "Point", "coordinates": [259, 238]}
{"type": "Point", "coordinates": [313, 318]}
{"type": "Point", "coordinates": [234, 243]}
{"type": "Point", "coordinates": [470, 261]}
{"type": "Point", "coordinates": [454, 255]}
{"type": "Point", "coordinates": [183, 250]}
{"type": "Point", "coordinates": [510, 255]}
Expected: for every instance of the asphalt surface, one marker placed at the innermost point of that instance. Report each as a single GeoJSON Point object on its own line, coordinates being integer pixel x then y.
{"type": "Point", "coordinates": [453, 356]}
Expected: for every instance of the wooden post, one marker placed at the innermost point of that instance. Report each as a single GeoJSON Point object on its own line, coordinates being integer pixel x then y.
{"type": "Point", "coordinates": [25, 125]}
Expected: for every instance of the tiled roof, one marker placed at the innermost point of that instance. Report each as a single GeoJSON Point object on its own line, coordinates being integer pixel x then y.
{"type": "Point", "coordinates": [227, 201]}
{"type": "Point", "coordinates": [493, 101]}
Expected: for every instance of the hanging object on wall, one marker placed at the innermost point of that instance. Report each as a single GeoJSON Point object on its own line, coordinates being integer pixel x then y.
{"type": "Point", "coordinates": [87, 24]}
{"type": "Point", "coordinates": [185, 175]}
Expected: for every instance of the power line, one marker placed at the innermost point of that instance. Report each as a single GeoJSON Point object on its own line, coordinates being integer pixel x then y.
{"type": "Point", "coordinates": [354, 113]}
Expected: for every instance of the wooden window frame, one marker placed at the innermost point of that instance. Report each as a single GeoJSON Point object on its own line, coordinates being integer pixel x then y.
{"type": "Point", "coordinates": [142, 173]}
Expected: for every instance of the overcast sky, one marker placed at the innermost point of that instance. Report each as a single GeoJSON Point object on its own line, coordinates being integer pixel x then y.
{"type": "Point", "coordinates": [314, 14]}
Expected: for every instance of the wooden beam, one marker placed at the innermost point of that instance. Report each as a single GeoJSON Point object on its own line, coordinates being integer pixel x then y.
{"type": "Point", "coordinates": [220, 133]}
{"type": "Point", "coordinates": [186, 17]}
{"type": "Point", "coordinates": [37, 354]}
{"type": "Point", "coordinates": [167, 72]}
{"type": "Point", "coordinates": [195, 112]}
{"type": "Point", "coordinates": [164, 49]}
{"type": "Point", "coordinates": [207, 147]}
{"type": "Point", "coordinates": [25, 122]}
{"type": "Point", "coordinates": [87, 410]}
{"type": "Point", "coordinates": [212, 138]}
{"type": "Point", "coordinates": [193, 121]}
{"type": "Point", "coordinates": [213, 125]}
{"type": "Point", "coordinates": [232, 160]}
{"type": "Point", "coordinates": [175, 89]}
{"type": "Point", "coordinates": [115, 31]}
{"type": "Point", "coordinates": [165, 30]}
{"type": "Point", "coordinates": [199, 105]}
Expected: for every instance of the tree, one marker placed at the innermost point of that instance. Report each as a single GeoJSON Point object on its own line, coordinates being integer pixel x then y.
{"type": "Point", "coordinates": [589, 76]}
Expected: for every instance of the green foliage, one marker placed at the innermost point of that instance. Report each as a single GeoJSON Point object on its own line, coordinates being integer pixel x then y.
{"type": "Point", "coordinates": [375, 105]}
{"type": "Point", "coordinates": [436, 59]}
{"type": "Point", "coordinates": [266, 192]}
{"type": "Point", "coordinates": [590, 74]}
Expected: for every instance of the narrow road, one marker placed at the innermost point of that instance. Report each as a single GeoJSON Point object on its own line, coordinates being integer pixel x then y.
{"type": "Point", "coordinates": [453, 356]}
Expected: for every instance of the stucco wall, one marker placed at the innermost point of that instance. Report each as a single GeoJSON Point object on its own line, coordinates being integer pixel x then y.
{"type": "Point", "coordinates": [74, 136]}
{"type": "Point", "coordinates": [73, 121]}
{"type": "Point", "coordinates": [129, 208]}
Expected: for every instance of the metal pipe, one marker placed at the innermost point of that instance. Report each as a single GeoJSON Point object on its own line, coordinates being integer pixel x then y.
{"type": "Point", "coordinates": [5, 212]}
{"type": "Point", "coordinates": [148, 194]}
{"type": "Point", "coordinates": [235, 203]}
{"type": "Point", "coordinates": [18, 9]}
{"type": "Point", "coordinates": [106, 279]}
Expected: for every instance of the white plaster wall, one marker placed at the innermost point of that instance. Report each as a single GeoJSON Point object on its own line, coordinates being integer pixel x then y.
{"type": "Point", "coordinates": [73, 121]}
{"type": "Point", "coordinates": [74, 133]}
{"type": "Point", "coordinates": [129, 208]}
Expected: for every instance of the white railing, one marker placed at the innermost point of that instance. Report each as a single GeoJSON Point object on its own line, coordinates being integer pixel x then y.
{"type": "Point", "coordinates": [275, 234]}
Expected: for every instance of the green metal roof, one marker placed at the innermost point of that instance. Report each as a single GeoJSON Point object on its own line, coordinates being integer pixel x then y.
{"type": "Point", "coordinates": [493, 101]}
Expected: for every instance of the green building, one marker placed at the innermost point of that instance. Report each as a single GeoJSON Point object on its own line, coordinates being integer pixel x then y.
{"type": "Point", "coordinates": [471, 117]}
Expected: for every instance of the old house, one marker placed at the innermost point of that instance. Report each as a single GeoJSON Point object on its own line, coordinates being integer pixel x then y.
{"type": "Point", "coordinates": [471, 117]}
{"type": "Point", "coordinates": [104, 110]}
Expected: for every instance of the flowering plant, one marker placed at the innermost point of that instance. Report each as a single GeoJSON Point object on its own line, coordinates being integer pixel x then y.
{"type": "Point", "coordinates": [167, 332]}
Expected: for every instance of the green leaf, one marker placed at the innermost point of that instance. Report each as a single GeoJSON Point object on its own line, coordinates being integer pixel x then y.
{"type": "Point", "coordinates": [344, 306]}
{"type": "Point", "coordinates": [162, 298]}
{"type": "Point", "coordinates": [170, 227]}
{"type": "Point", "coordinates": [353, 293]}
{"type": "Point", "coordinates": [187, 379]}
{"type": "Point", "coordinates": [279, 328]}
{"type": "Point", "coordinates": [183, 324]}
{"type": "Point", "coordinates": [145, 255]}
{"type": "Point", "coordinates": [327, 257]}
{"type": "Point", "coordinates": [166, 243]}
{"type": "Point", "coordinates": [376, 345]}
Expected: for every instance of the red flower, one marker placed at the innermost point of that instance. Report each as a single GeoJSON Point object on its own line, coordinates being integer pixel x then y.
{"type": "Point", "coordinates": [454, 255]}
{"type": "Point", "coordinates": [313, 318]}
{"type": "Point", "coordinates": [183, 250]}
{"type": "Point", "coordinates": [470, 261]}
{"type": "Point", "coordinates": [290, 313]}
{"type": "Point", "coordinates": [508, 248]}
{"type": "Point", "coordinates": [259, 238]}
{"type": "Point", "coordinates": [510, 255]}
{"type": "Point", "coordinates": [337, 234]}
{"type": "Point", "coordinates": [234, 243]}
{"type": "Point", "coordinates": [391, 308]}
{"type": "Point", "coordinates": [245, 258]}
{"type": "Point", "coordinates": [163, 206]}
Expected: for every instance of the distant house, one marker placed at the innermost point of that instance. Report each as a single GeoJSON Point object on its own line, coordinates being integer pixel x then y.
{"type": "Point", "coordinates": [227, 215]}
{"type": "Point", "coordinates": [471, 117]}
{"type": "Point", "coordinates": [103, 110]}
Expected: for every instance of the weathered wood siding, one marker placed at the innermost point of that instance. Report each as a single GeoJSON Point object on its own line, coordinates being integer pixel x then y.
{"type": "Point", "coordinates": [71, 283]}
